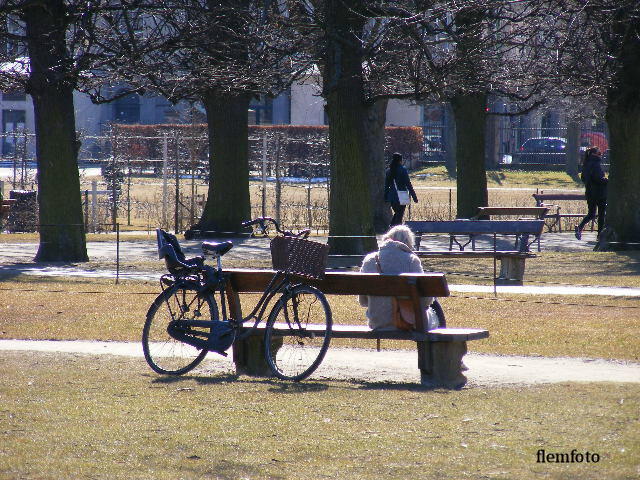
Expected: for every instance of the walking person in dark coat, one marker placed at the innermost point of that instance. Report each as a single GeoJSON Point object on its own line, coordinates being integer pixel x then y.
{"type": "Point", "coordinates": [595, 190]}
{"type": "Point", "coordinates": [397, 178]}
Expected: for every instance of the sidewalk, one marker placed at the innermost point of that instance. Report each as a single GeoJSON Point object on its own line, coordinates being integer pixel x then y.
{"type": "Point", "coordinates": [389, 365]}
{"type": "Point", "coordinates": [18, 258]}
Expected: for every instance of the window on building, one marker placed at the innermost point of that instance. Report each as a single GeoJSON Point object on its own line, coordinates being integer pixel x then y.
{"type": "Point", "coordinates": [127, 109]}
{"type": "Point", "coordinates": [13, 122]}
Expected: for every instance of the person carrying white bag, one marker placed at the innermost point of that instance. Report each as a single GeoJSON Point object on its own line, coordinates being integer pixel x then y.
{"type": "Point", "coordinates": [398, 188]}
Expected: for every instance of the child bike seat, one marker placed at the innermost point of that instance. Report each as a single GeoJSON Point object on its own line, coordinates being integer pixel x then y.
{"type": "Point", "coordinates": [174, 258]}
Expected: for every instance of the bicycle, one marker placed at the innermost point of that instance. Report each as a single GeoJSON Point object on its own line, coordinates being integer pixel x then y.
{"type": "Point", "coordinates": [183, 324]}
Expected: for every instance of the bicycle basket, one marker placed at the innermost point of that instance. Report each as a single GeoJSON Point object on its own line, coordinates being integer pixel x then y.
{"type": "Point", "coordinates": [301, 257]}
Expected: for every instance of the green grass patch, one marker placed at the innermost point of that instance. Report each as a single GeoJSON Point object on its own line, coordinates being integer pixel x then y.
{"type": "Point", "coordinates": [74, 416]}
{"type": "Point", "coordinates": [543, 179]}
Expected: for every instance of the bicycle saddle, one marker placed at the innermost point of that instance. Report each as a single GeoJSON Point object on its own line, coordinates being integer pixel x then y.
{"type": "Point", "coordinates": [216, 248]}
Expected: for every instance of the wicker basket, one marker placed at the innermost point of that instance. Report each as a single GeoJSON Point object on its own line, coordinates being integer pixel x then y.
{"type": "Point", "coordinates": [298, 256]}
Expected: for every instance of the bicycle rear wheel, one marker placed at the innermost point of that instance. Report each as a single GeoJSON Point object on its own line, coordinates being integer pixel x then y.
{"type": "Point", "coordinates": [442, 322]}
{"type": "Point", "coordinates": [163, 353]}
{"type": "Point", "coordinates": [298, 333]}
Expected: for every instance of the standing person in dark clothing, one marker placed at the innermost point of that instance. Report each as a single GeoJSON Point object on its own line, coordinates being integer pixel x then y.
{"type": "Point", "coordinates": [397, 178]}
{"type": "Point", "coordinates": [595, 189]}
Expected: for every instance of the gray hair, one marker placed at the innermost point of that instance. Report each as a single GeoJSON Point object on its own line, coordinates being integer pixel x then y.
{"type": "Point", "coordinates": [400, 233]}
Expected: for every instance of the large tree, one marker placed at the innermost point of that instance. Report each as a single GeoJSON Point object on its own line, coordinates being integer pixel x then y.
{"type": "Point", "coordinates": [222, 54]}
{"type": "Point", "coordinates": [59, 48]}
{"type": "Point", "coordinates": [49, 34]}
{"type": "Point", "coordinates": [351, 219]}
{"type": "Point", "coordinates": [598, 52]}
{"type": "Point", "coordinates": [468, 53]}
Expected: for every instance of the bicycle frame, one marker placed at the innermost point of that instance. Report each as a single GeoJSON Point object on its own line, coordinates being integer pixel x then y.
{"type": "Point", "coordinates": [206, 279]}
{"type": "Point", "coordinates": [279, 283]}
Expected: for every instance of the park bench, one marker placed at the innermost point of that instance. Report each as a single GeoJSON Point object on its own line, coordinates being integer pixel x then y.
{"type": "Point", "coordinates": [542, 200]}
{"type": "Point", "coordinates": [512, 261]}
{"type": "Point", "coordinates": [523, 213]}
{"type": "Point", "coordinates": [440, 351]}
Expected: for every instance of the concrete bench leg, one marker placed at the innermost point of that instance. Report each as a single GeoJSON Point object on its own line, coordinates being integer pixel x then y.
{"type": "Point", "coordinates": [248, 356]}
{"type": "Point", "coordinates": [511, 271]}
{"type": "Point", "coordinates": [440, 364]}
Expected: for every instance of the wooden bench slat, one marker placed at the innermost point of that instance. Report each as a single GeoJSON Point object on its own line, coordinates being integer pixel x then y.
{"type": "Point", "coordinates": [477, 227]}
{"type": "Point", "coordinates": [348, 283]}
{"type": "Point", "coordinates": [364, 332]}
{"type": "Point", "coordinates": [474, 253]}
{"type": "Point", "coordinates": [537, 212]}
{"type": "Point", "coordinates": [541, 197]}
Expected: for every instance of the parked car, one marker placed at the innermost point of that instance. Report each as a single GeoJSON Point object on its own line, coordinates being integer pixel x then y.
{"type": "Point", "coordinates": [546, 150]}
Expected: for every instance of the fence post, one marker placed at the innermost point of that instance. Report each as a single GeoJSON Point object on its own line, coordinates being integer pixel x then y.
{"type": "Point", "coordinates": [450, 204]}
{"type": "Point", "coordinates": [309, 215]}
{"type": "Point", "coordinates": [264, 175]}
{"type": "Point", "coordinates": [86, 211]}
{"type": "Point", "coordinates": [128, 191]}
{"type": "Point", "coordinates": [94, 204]}
{"type": "Point", "coordinates": [278, 184]}
{"type": "Point", "coordinates": [165, 158]}
{"type": "Point", "coordinates": [176, 216]}
{"type": "Point", "coordinates": [117, 253]}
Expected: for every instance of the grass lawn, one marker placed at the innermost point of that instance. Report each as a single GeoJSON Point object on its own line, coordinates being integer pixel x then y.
{"type": "Point", "coordinates": [74, 416]}
{"type": "Point", "coordinates": [551, 325]}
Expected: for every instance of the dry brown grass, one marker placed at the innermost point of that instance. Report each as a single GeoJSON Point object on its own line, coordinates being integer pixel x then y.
{"type": "Point", "coordinates": [547, 325]}
{"type": "Point", "coordinates": [74, 416]}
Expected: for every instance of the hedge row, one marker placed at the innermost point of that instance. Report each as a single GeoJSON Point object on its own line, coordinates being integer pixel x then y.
{"type": "Point", "coordinates": [300, 150]}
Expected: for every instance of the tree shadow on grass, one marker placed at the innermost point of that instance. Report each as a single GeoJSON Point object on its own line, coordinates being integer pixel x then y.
{"type": "Point", "coordinates": [201, 379]}
{"type": "Point", "coordinates": [308, 386]}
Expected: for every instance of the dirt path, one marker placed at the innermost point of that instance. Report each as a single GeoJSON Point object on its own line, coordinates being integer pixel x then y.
{"type": "Point", "coordinates": [392, 366]}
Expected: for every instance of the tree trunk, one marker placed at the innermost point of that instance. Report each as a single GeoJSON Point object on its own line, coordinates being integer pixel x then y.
{"type": "Point", "coordinates": [351, 229]}
{"type": "Point", "coordinates": [62, 236]}
{"type": "Point", "coordinates": [470, 116]}
{"type": "Point", "coordinates": [622, 229]}
{"type": "Point", "coordinates": [228, 203]}
{"type": "Point", "coordinates": [622, 226]}
{"type": "Point", "coordinates": [375, 133]}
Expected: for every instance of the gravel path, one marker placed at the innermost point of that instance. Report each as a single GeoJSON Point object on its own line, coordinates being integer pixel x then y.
{"type": "Point", "coordinates": [391, 365]}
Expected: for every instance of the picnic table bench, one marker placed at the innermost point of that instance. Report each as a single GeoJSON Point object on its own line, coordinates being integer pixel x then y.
{"type": "Point", "coordinates": [530, 212]}
{"type": "Point", "coordinates": [523, 213]}
{"type": "Point", "coordinates": [512, 262]}
{"type": "Point", "coordinates": [440, 351]}
{"type": "Point", "coordinates": [556, 215]}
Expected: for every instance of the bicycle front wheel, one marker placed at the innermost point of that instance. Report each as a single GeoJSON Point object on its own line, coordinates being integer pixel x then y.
{"type": "Point", "coordinates": [163, 353]}
{"type": "Point", "coordinates": [298, 333]}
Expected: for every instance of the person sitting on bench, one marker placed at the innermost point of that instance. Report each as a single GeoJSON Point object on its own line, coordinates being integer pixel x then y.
{"type": "Point", "coordinates": [394, 256]}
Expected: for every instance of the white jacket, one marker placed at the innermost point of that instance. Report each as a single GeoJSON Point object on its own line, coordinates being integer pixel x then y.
{"type": "Point", "coordinates": [395, 258]}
